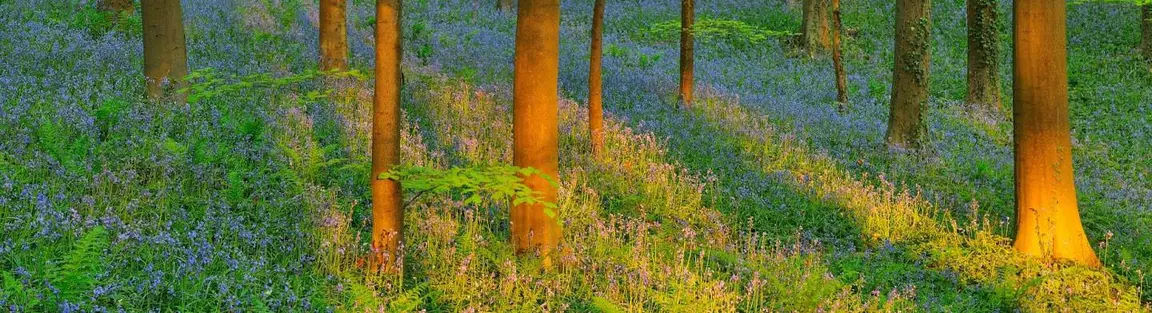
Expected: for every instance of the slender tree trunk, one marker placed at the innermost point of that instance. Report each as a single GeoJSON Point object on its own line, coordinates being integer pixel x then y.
{"type": "Point", "coordinates": [816, 28]}
{"type": "Point", "coordinates": [387, 206]}
{"type": "Point", "coordinates": [983, 55]}
{"type": "Point", "coordinates": [1047, 217]}
{"type": "Point", "coordinates": [504, 5]}
{"type": "Point", "coordinates": [120, 7]}
{"type": "Point", "coordinates": [595, 90]}
{"type": "Point", "coordinates": [687, 19]}
{"type": "Point", "coordinates": [333, 35]}
{"type": "Point", "coordinates": [1146, 30]}
{"type": "Point", "coordinates": [910, 75]}
{"type": "Point", "coordinates": [837, 59]}
{"type": "Point", "coordinates": [535, 128]}
{"type": "Point", "coordinates": [165, 55]}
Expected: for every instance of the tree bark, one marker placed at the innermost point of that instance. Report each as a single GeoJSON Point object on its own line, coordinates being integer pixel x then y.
{"type": "Point", "coordinates": [387, 206]}
{"type": "Point", "coordinates": [333, 35]}
{"type": "Point", "coordinates": [816, 28]}
{"type": "Point", "coordinates": [687, 68]}
{"type": "Point", "coordinates": [1047, 218]}
{"type": "Point", "coordinates": [504, 5]}
{"type": "Point", "coordinates": [1146, 31]}
{"type": "Point", "coordinates": [535, 128]}
{"type": "Point", "coordinates": [837, 59]}
{"type": "Point", "coordinates": [910, 74]}
{"type": "Point", "coordinates": [595, 85]}
{"type": "Point", "coordinates": [983, 55]}
{"type": "Point", "coordinates": [120, 7]}
{"type": "Point", "coordinates": [165, 54]}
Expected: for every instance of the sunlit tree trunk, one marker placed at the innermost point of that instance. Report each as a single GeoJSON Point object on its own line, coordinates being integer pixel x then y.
{"type": "Point", "coordinates": [165, 54]}
{"type": "Point", "coordinates": [1047, 218]}
{"type": "Point", "coordinates": [333, 35]}
{"type": "Point", "coordinates": [687, 18]}
{"type": "Point", "coordinates": [116, 6]}
{"type": "Point", "coordinates": [816, 27]}
{"type": "Point", "coordinates": [837, 59]}
{"type": "Point", "coordinates": [910, 74]}
{"type": "Point", "coordinates": [983, 55]}
{"type": "Point", "coordinates": [504, 5]}
{"type": "Point", "coordinates": [595, 90]}
{"type": "Point", "coordinates": [1146, 31]}
{"type": "Point", "coordinates": [535, 128]}
{"type": "Point", "coordinates": [387, 207]}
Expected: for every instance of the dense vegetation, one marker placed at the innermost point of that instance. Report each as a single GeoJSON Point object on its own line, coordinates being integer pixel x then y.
{"type": "Point", "coordinates": [762, 195]}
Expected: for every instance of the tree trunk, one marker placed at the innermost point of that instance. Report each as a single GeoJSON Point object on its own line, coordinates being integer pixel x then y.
{"type": "Point", "coordinates": [910, 74]}
{"type": "Point", "coordinates": [333, 36]}
{"type": "Point", "coordinates": [1047, 217]}
{"type": "Point", "coordinates": [504, 5]}
{"type": "Point", "coordinates": [1146, 30]}
{"type": "Point", "coordinates": [535, 128]}
{"type": "Point", "coordinates": [837, 59]}
{"type": "Point", "coordinates": [983, 55]}
{"type": "Point", "coordinates": [387, 207]}
{"type": "Point", "coordinates": [816, 28]}
{"type": "Point", "coordinates": [165, 55]}
{"type": "Point", "coordinates": [687, 18]}
{"type": "Point", "coordinates": [595, 86]}
{"type": "Point", "coordinates": [120, 7]}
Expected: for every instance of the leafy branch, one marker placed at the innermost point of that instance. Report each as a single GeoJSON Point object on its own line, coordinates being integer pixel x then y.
{"type": "Point", "coordinates": [208, 83]}
{"type": "Point", "coordinates": [476, 183]}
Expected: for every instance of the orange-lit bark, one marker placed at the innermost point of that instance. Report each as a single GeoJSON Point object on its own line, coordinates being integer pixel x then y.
{"type": "Point", "coordinates": [983, 55]}
{"type": "Point", "coordinates": [1047, 217]}
{"type": "Point", "coordinates": [595, 84]}
{"type": "Point", "coordinates": [837, 59]}
{"type": "Point", "coordinates": [165, 54]}
{"type": "Point", "coordinates": [333, 35]}
{"type": "Point", "coordinates": [687, 68]}
{"type": "Point", "coordinates": [535, 128]}
{"type": "Point", "coordinates": [387, 206]}
{"type": "Point", "coordinates": [910, 73]}
{"type": "Point", "coordinates": [816, 27]}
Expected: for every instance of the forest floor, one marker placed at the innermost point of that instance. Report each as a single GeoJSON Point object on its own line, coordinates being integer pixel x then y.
{"type": "Point", "coordinates": [762, 196]}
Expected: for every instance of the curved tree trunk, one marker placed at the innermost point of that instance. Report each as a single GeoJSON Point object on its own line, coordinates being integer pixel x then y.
{"type": "Point", "coordinates": [535, 128]}
{"type": "Point", "coordinates": [837, 59]}
{"type": "Point", "coordinates": [595, 86]}
{"type": "Point", "coordinates": [1047, 217]}
{"type": "Point", "coordinates": [165, 54]}
{"type": "Point", "coordinates": [504, 5]}
{"type": "Point", "coordinates": [687, 18]}
{"type": "Point", "coordinates": [387, 207]}
{"type": "Point", "coordinates": [983, 55]}
{"type": "Point", "coordinates": [910, 75]}
{"type": "Point", "coordinates": [816, 27]}
{"type": "Point", "coordinates": [333, 35]}
{"type": "Point", "coordinates": [1146, 31]}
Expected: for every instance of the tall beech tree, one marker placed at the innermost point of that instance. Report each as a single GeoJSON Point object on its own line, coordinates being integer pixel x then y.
{"type": "Point", "coordinates": [387, 206]}
{"type": "Point", "coordinates": [910, 73]}
{"type": "Point", "coordinates": [816, 27]}
{"type": "Point", "coordinates": [595, 83]}
{"type": "Point", "coordinates": [983, 55]}
{"type": "Point", "coordinates": [165, 53]}
{"type": "Point", "coordinates": [837, 58]}
{"type": "Point", "coordinates": [1047, 217]}
{"type": "Point", "coordinates": [535, 128]}
{"type": "Point", "coordinates": [1146, 29]}
{"type": "Point", "coordinates": [333, 35]}
{"type": "Point", "coordinates": [687, 67]}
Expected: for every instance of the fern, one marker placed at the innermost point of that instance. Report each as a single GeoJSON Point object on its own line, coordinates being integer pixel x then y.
{"type": "Point", "coordinates": [409, 300]}
{"type": "Point", "coordinates": [495, 182]}
{"type": "Point", "coordinates": [78, 274]}
{"type": "Point", "coordinates": [604, 305]}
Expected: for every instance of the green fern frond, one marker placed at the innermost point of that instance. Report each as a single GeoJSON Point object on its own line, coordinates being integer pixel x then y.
{"type": "Point", "coordinates": [77, 275]}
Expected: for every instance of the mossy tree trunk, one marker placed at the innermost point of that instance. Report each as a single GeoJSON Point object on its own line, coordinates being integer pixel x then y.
{"type": "Point", "coordinates": [165, 53]}
{"type": "Point", "coordinates": [1146, 30]}
{"type": "Point", "coordinates": [687, 68]}
{"type": "Point", "coordinates": [1047, 217]}
{"type": "Point", "coordinates": [983, 55]}
{"type": "Point", "coordinates": [595, 83]}
{"type": "Point", "coordinates": [910, 74]}
{"type": "Point", "coordinates": [333, 35]}
{"type": "Point", "coordinates": [816, 27]}
{"type": "Point", "coordinates": [837, 58]}
{"type": "Point", "coordinates": [387, 205]}
{"type": "Point", "coordinates": [535, 128]}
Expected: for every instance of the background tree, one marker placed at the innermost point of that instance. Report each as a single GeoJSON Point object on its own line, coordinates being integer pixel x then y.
{"type": "Point", "coordinates": [595, 84]}
{"type": "Point", "coordinates": [1047, 217]}
{"type": "Point", "coordinates": [504, 5]}
{"type": "Point", "coordinates": [333, 35]}
{"type": "Point", "coordinates": [983, 55]}
{"type": "Point", "coordinates": [910, 73]}
{"type": "Point", "coordinates": [535, 128]}
{"type": "Point", "coordinates": [837, 59]}
{"type": "Point", "coordinates": [687, 18]}
{"type": "Point", "coordinates": [120, 7]}
{"type": "Point", "coordinates": [165, 54]}
{"type": "Point", "coordinates": [816, 27]}
{"type": "Point", "coordinates": [1146, 29]}
{"type": "Point", "coordinates": [387, 207]}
